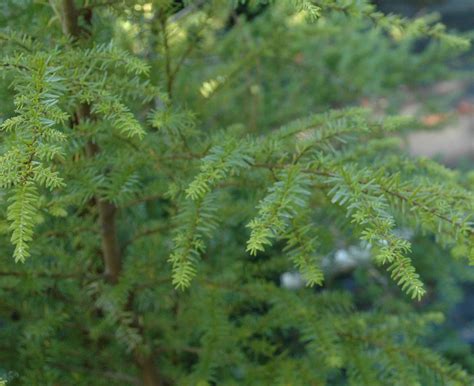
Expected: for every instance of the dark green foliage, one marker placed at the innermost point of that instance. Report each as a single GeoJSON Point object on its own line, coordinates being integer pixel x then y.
{"type": "Point", "coordinates": [163, 163]}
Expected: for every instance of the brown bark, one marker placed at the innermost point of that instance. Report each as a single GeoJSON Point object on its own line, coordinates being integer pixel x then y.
{"type": "Point", "coordinates": [107, 210]}
{"type": "Point", "coordinates": [110, 247]}
{"type": "Point", "coordinates": [69, 16]}
{"type": "Point", "coordinates": [149, 372]}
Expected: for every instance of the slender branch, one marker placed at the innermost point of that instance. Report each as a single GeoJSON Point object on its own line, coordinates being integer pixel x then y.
{"type": "Point", "coordinates": [54, 233]}
{"type": "Point", "coordinates": [146, 233]}
{"type": "Point", "coordinates": [103, 4]}
{"type": "Point", "coordinates": [142, 200]}
{"type": "Point", "coordinates": [181, 60]}
{"type": "Point", "coordinates": [168, 69]}
{"type": "Point", "coordinates": [14, 41]}
{"type": "Point", "coordinates": [187, 10]}
{"type": "Point", "coordinates": [166, 48]}
{"type": "Point", "coordinates": [112, 375]}
{"type": "Point", "coordinates": [186, 53]}
{"type": "Point", "coordinates": [44, 275]}
{"type": "Point", "coordinates": [18, 66]}
{"type": "Point", "coordinates": [398, 195]}
{"type": "Point", "coordinates": [426, 209]}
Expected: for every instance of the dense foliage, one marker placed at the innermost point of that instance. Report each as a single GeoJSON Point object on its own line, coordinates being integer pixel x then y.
{"type": "Point", "coordinates": [164, 162]}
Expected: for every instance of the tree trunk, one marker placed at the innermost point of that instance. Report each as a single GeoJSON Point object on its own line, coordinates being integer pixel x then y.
{"type": "Point", "coordinates": [107, 210]}
{"type": "Point", "coordinates": [110, 247]}
{"type": "Point", "coordinates": [149, 372]}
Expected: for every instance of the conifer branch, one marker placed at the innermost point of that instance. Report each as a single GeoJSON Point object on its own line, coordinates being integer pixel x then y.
{"type": "Point", "coordinates": [15, 40]}
{"type": "Point", "coordinates": [324, 173]}
{"type": "Point", "coordinates": [131, 202]}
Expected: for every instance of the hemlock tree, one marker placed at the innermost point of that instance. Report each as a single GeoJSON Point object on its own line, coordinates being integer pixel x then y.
{"type": "Point", "coordinates": [164, 162]}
